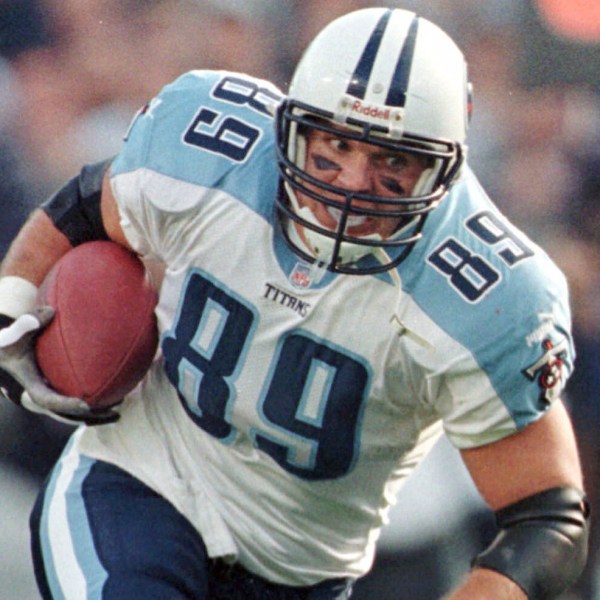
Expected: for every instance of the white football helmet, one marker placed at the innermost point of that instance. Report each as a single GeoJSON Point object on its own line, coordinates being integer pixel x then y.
{"type": "Point", "coordinates": [389, 78]}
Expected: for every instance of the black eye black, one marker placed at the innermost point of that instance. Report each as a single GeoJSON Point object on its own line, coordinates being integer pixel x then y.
{"type": "Point", "coordinates": [392, 186]}
{"type": "Point", "coordinates": [324, 164]}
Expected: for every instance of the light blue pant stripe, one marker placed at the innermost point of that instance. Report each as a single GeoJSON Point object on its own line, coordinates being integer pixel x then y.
{"type": "Point", "coordinates": [73, 569]}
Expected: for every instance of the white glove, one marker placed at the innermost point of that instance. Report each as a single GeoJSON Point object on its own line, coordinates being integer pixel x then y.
{"type": "Point", "coordinates": [22, 382]}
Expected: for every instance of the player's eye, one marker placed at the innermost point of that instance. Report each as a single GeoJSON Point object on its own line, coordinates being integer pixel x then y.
{"type": "Point", "coordinates": [339, 144]}
{"type": "Point", "coordinates": [396, 162]}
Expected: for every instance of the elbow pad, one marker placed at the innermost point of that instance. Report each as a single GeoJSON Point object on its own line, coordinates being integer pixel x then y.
{"type": "Point", "coordinates": [543, 542]}
{"type": "Point", "coordinates": [75, 208]}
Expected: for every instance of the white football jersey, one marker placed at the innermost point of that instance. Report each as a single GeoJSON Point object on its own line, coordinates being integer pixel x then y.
{"type": "Point", "coordinates": [287, 406]}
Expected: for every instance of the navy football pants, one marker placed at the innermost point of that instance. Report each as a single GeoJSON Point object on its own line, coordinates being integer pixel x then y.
{"type": "Point", "coordinates": [100, 534]}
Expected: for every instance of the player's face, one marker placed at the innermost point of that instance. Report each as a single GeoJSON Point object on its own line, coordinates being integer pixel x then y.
{"type": "Point", "coordinates": [358, 166]}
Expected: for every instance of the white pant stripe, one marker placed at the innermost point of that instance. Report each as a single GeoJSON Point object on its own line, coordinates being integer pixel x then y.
{"type": "Point", "coordinates": [63, 533]}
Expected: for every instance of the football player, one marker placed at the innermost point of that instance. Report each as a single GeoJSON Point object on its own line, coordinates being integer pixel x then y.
{"type": "Point", "coordinates": [338, 291]}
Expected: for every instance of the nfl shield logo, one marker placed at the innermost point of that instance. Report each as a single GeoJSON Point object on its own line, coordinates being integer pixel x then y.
{"type": "Point", "coordinates": [300, 277]}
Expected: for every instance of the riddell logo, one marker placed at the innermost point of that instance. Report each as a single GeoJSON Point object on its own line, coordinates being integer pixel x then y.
{"type": "Point", "coordinates": [370, 110]}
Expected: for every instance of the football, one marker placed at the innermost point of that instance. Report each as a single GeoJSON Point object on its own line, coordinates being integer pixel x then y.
{"type": "Point", "coordinates": [103, 336]}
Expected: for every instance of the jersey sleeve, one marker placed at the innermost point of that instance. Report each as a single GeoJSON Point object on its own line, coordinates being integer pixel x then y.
{"type": "Point", "coordinates": [514, 373]}
{"type": "Point", "coordinates": [197, 138]}
{"type": "Point", "coordinates": [498, 321]}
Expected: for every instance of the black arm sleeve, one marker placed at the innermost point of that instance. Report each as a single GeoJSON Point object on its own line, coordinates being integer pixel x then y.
{"type": "Point", "coordinates": [75, 208]}
{"type": "Point", "coordinates": [543, 542]}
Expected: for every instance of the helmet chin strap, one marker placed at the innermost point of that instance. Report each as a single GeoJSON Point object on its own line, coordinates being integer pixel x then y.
{"type": "Point", "coordinates": [319, 245]}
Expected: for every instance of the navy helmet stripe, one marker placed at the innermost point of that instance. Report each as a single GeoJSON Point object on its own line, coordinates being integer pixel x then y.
{"type": "Point", "coordinates": [399, 84]}
{"type": "Point", "coordinates": [360, 78]}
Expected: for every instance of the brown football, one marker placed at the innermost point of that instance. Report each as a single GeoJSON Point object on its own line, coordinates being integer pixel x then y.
{"type": "Point", "coordinates": [103, 336]}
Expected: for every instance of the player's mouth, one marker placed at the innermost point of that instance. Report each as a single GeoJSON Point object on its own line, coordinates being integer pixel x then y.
{"type": "Point", "coordinates": [352, 221]}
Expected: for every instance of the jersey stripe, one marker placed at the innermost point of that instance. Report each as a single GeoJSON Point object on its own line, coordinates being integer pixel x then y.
{"type": "Point", "coordinates": [360, 78]}
{"type": "Point", "coordinates": [399, 84]}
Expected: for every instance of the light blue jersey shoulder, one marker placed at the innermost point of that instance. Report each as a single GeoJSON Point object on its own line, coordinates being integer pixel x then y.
{"type": "Point", "coordinates": [498, 294]}
{"type": "Point", "coordinates": [210, 128]}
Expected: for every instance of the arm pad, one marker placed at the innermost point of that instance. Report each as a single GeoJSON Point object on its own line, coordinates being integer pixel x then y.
{"type": "Point", "coordinates": [543, 542]}
{"type": "Point", "coordinates": [75, 208]}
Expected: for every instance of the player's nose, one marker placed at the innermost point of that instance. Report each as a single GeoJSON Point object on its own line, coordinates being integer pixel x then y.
{"type": "Point", "coordinates": [356, 173]}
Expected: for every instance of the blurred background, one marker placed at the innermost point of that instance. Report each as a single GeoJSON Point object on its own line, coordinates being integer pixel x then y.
{"type": "Point", "coordinates": [73, 72]}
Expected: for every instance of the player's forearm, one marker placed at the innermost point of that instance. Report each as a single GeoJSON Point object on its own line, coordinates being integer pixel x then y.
{"type": "Point", "coordinates": [36, 248]}
{"type": "Point", "coordinates": [483, 584]}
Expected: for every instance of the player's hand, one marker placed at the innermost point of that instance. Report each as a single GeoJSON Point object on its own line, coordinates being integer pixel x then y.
{"type": "Point", "coordinates": [22, 382]}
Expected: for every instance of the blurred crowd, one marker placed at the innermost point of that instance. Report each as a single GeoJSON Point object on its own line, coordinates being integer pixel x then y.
{"type": "Point", "coordinates": [73, 72]}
